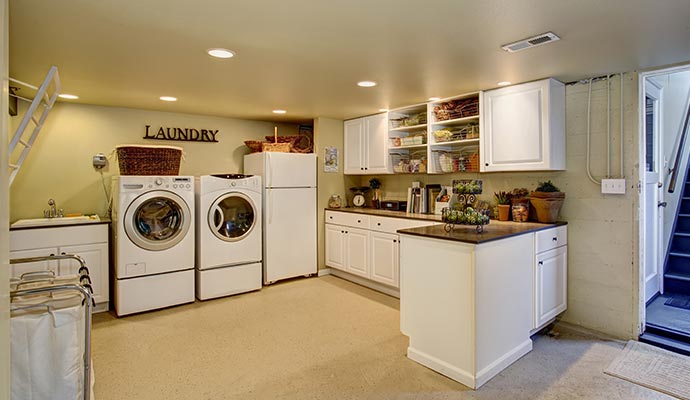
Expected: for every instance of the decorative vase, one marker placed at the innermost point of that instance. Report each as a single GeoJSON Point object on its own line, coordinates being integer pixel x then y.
{"type": "Point", "coordinates": [503, 212]}
{"type": "Point", "coordinates": [376, 199]}
{"type": "Point", "coordinates": [547, 205]}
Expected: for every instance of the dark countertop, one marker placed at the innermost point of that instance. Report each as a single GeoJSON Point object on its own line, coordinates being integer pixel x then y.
{"type": "Point", "coordinates": [388, 213]}
{"type": "Point", "coordinates": [496, 230]}
{"type": "Point", "coordinates": [58, 225]}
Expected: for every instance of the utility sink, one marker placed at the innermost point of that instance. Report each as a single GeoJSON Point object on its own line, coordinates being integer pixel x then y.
{"type": "Point", "coordinates": [26, 223]}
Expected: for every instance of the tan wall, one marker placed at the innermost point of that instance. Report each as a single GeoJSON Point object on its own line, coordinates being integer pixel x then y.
{"type": "Point", "coordinates": [328, 133]}
{"type": "Point", "coordinates": [4, 213]}
{"type": "Point", "coordinates": [59, 165]}
{"type": "Point", "coordinates": [602, 229]}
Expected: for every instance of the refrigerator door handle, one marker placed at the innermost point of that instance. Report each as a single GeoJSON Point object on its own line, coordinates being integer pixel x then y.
{"type": "Point", "coordinates": [269, 182]}
{"type": "Point", "coordinates": [270, 206]}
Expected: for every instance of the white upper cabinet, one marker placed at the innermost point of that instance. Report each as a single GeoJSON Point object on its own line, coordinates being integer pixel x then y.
{"type": "Point", "coordinates": [523, 127]}
{"type": "Point", "coordinates": [366, 150]}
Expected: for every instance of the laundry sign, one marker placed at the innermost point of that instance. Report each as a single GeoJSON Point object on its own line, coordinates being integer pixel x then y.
{"type": "Point", "coordinates": [181, 134]}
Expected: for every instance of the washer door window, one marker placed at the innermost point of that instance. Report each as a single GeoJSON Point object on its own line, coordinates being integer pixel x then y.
{"type": "Point", "coordinates": [231, 217]}
{"type": "Point", "coordinates": [157, 220]}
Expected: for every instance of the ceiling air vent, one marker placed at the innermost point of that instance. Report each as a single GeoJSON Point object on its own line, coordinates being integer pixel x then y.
{"type": "Point", "coordinates": [534, 41]}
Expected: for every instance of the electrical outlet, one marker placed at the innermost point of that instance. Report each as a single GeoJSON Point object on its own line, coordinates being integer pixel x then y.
{"type": "Point", "coordinates": [99, 161]}
{"type": "Point", "coordinates": [613, 186]}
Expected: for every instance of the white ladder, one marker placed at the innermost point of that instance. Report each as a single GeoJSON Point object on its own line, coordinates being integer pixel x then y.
{"type": "Point", "coordinates": [45, 97]}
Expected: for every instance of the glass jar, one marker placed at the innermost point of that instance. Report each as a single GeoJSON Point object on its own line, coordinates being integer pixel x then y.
{"type": "Point", "coordinates": [335, 201]}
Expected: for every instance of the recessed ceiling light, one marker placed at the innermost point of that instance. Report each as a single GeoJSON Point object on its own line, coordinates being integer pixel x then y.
{"type": "Point", "coordinates": [168, 98]}
{"type": "Point", "coordinates": [366, 84]}
{"type": "Point", "coordinates": [383, 109]}
{"type": "Point", "coordinates": [503, 83]}
{"type": "Point", "coordinates": [68, 96]}
{"type": "Point", "coordinates": [279, 111]}
{"type": "Point", "coordinates": [221, 53]}
{"type": "Point", "coordinates": [434, 98]}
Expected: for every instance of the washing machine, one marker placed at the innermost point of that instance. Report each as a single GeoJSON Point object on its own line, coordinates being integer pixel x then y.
{"type": "Point", "coordinates": [228, 236]}
{"type": "Point", "coordinates": [153, 237]}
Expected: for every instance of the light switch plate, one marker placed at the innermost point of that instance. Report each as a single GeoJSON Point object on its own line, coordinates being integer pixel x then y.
{"type": "Point", "coordinates": [613, 186]}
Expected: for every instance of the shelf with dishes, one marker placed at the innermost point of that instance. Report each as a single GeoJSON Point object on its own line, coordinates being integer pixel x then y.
{"type": "Point", "coordinates": [407, 161]}
{"type": "Point", "coordinates": [446, 159]}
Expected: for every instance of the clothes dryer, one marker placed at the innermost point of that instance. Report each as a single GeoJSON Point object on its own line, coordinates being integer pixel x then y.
{"type": "Point", "coordinates": [153, 236]}
{"type": "Point", "coordinates": [228, 236]}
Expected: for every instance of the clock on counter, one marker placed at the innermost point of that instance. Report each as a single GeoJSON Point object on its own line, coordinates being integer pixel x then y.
{"type": "Point", "coordinates": [358, 199]}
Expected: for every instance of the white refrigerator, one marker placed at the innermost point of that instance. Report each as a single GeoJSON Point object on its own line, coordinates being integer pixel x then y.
{"type": "Point", "coordinates": [289, 212]}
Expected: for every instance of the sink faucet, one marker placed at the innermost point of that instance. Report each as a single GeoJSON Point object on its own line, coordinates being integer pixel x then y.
{"type": "Point", "coordinates": [52, 212]}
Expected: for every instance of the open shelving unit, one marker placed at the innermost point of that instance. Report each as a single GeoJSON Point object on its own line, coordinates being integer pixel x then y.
{"type": "Point", "coordinates": [437, 137]}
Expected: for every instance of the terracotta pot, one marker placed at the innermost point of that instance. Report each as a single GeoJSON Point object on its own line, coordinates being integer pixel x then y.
{"type": "Point", "coordinates": [503, 212]}
{"type": "Point", "coordinates": [547, 208]}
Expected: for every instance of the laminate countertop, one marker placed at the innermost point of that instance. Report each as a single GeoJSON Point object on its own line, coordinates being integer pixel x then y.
{"type": "Point", "coordinates": [495, 230]}
{"type": "Point", "coordinates": [58, 224]}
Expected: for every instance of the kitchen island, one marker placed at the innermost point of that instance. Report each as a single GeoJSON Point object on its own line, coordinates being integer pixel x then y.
{"type": "Point", "coordinates": [470, 301]}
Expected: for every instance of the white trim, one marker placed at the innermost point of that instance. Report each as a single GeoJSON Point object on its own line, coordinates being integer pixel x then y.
{"type": "Point", "coordinates": [391, 291]}
{"type": "Point", "coordinates": [442, 367]}
{"type": "Point", "coordinates": [502, 363]}
{"type": "Point", "coordinates": [324, 272]}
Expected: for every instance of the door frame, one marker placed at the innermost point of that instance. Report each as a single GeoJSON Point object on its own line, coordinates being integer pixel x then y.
{"type": "Point", "coordinates": [641, 95]}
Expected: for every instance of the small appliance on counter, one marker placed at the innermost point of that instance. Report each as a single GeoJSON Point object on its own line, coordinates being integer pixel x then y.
{"type": "Point", "coordinates": [394, 205]}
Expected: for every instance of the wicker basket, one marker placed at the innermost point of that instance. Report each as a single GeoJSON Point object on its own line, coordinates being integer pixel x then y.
{"type": "Point", "coordinates": [149, 160]}
{"type": "Point", "coordinates": [254, 145]}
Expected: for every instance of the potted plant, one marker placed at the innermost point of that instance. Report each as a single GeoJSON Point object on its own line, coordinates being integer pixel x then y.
{"type": "Point", "coordinates": [547, 200]}
{"type": "Point", "coordinates": [503, 200]}
{"type": "Point", "coordinates": [375, 185]}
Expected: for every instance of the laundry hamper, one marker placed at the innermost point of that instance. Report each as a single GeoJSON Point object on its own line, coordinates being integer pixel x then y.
{"type": "Point", "coordinates": [149, 160]}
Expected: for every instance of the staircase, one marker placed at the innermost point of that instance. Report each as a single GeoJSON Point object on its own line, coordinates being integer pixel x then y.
{"type": "Point", "coordinates": [677, 269]}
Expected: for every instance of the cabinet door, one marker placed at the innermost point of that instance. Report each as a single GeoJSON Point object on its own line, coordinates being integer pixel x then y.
{"type": "Point", "coordinates": [376, 148]}
{"type": "Point", "coordinates": [96, 257]}
{"type": "Point", "coordinates": [335, 246]}
{"type": "Point", "coordinates": [356, 248]}
{"type": "Point", "coordinates": [523, 127]}
{"type": "Point", "coordinates": [384, 258]}
{"type": "Point", "coordinates": [550, 284]}
{"type": "Point", "coordinates": [16, 270]}
{"type": "Point", "coordinates": [353, 152]}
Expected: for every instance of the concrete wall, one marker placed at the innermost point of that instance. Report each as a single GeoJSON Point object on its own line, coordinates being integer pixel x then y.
{"type": "Point", "coordinates": [59, 164]}
{"type": "Point", "coordinates": [329, 133]}
{"type": "Point", "coordinates": [602, 229]}
{"type": "Point", "coordinates": [675, 97]}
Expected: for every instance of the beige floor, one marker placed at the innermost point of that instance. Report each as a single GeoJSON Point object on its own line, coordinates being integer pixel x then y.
{"type": "Point", "coordinates": [320, 338]}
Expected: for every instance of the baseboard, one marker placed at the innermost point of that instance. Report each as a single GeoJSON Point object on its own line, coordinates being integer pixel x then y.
{"type": "Point", "coordinates": [324, 272]}
{"type": "Point", "coordinates": [101, 307]}
{"type": "Point", "coordinates": [503, 362]}
{"type": "Point", "coordinates": [442, 367]}
{"type": "Point", "coordinates": [581, 330]}
{"type": "Point", "coordinates": [391, 291]}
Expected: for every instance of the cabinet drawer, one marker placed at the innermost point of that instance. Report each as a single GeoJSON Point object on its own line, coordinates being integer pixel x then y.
{"type": "Point", "coordinates": [25, 239]}
{"type": "Point", "coordinates": [551, 238]}
{"type": "Point", "coordinates": [391, 225]}
{"type": "Point", "coordinates": [347, 219]}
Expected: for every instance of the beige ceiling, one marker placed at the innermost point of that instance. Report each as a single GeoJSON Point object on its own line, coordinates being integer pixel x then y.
{"type": "Point", "coordinates": [305, 56]}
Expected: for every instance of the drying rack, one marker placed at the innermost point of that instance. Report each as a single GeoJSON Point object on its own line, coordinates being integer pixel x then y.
{"type": "Point", "coordinates": [83, 288]}
{"type": "Point", "coordinates": [43, 101]}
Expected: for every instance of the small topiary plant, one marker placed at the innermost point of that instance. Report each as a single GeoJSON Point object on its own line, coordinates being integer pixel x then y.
{"type": "Point", "coordinates": [503, 197]}
{"type": "Point", "coordinates": [547, 187]}
{"type": "Point", "coordinates": [374, 183]}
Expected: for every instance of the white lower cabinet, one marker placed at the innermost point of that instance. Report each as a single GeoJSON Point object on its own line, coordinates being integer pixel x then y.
{"type": "Point", "coordinates": [366, 246]}
{"type": "Point", "coordinates": [384, 257]}
{"type": "Point", "coordinates": [87, 241]}
{"type": "Point", "coordinates": [550, 277]}
{"type": "Point", "coordinates": [356, 249]}
{"type": "Point", "coordinates": [551, 290]}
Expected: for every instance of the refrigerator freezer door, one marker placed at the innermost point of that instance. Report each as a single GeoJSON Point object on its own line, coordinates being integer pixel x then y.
{"type": "Point", "coordinates": [286, 170]}
{"type": "Point", "coordinates": [289, 233]}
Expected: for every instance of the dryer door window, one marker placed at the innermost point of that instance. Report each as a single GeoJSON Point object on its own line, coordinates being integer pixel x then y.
{"type": "Point", "coordinates": [157, 220]}
{"type": "Point", "coordinates": [232, 217]}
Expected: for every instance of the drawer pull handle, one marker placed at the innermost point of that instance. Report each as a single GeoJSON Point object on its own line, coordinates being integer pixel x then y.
{"type": "Point", "coordinates": [331, 217]}
{"type": "Point", "coordinates": [342, 231]}
{"type": "Point", "coordinates": [555, 239]}
{"type": "Point", "coordinates": [378, 223]}
{"type": "Point", "coordinates": [541, 263]}
{"type": "Point", "coordinates": [395, 241]}
{"type": "Point", "coordinates": [359, 221]}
